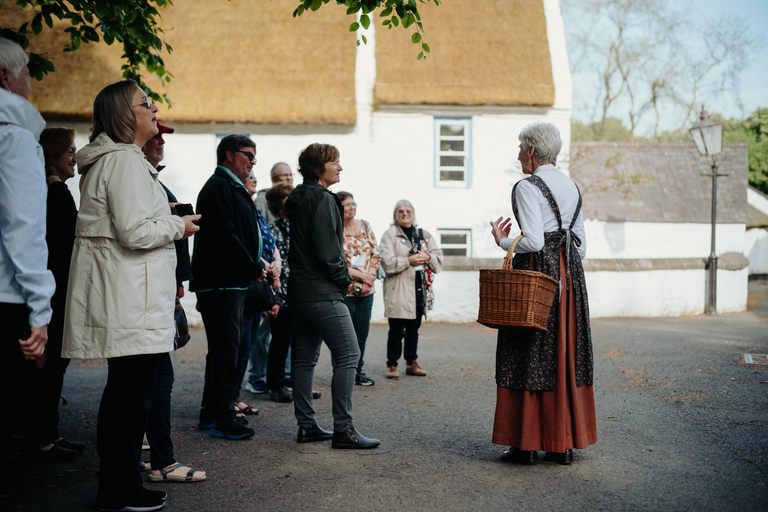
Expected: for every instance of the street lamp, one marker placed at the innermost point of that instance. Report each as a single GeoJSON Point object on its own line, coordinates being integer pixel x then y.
{"type": "Point", "coordinates": [708, 136]}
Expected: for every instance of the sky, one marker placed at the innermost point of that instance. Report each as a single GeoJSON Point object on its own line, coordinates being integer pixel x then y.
{"type": "Point", "coordinates": [754, 79]}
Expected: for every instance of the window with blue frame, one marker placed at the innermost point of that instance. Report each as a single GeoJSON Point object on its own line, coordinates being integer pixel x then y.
{"type": "Point", "coordinates": [452, 152]}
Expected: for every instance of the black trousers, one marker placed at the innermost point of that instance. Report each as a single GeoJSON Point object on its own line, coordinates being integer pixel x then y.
{"type": "Point", "coordinates": [122, 420]}
{"type": "Point", "coordinates": [282, 329]}
{"type": "Point", "coordinates": [399, 327]}
{"type": "Point", "coordinates": [159, 420]}
{"type": "Point", "coordinates": [222, 312]}
{"type": "Point", "coordinates": [16, 373]}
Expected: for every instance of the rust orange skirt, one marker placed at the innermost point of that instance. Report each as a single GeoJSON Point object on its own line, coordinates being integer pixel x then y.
{"type": "Point", "coordinates": [556, 420]}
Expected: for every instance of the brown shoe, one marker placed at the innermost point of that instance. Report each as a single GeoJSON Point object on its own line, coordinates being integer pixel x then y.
{"type": "Point", "coordinates": [415, 370]}
{"type": "Point", "coordinates": [392, 372]}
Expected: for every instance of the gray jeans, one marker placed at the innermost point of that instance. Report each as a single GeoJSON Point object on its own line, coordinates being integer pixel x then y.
{"type": "Point", "coordinates": [330, 322]}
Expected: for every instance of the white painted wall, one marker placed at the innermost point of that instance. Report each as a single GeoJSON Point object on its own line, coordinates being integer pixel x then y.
{"type": "Point", "coordinates": [756, 242]}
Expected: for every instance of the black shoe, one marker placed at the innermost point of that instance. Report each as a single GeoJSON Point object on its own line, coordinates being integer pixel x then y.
{"type": "Point", "coordinates": [362, 380]}
{"type": "Point", "coordinates": [231, 429]}
{"type": "Point", "coordinates": [161, 495]}
{"type": "Point", "coordinates": [142, 503]}
{"type": "Point", "coordinates": [519, 456]}
{"type": "Point", "coordinates": [564, 458]}
{"type": "Point", "coordinates": [316, 394]}
{"type": "Point", "coordinates": [69, 445]}
{"type": "Point", "coordinates": [352, 439]}
{"type": "Point", "coordinates": [281, 395]}
{"type": "Point", "coordinates": [312, 434]}
{"type": "Point", "coordinates": [53, 454]}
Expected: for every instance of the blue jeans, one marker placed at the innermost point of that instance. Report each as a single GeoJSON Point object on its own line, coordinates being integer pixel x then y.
{"type": "Point", "coordinates": [360, 312]}
{"type": "Point", "coordinates": [316, 322]}
{"type": "Point", "coordinates": [159, 419]}
{"type": "Point", "coordinates": [259, 354]}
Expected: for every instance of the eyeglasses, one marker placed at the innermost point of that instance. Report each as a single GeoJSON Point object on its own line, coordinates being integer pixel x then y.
{"type": "Point", "coordinates": [146, 103]}
{"type": "Point", "coordinates": [350, 205]}
{"type": "Point", "coordinates": [284, 175]}
{"type": "Point", "coordinates": [252, 177]}
{"type": "Point", "coordinates": [251, 156]}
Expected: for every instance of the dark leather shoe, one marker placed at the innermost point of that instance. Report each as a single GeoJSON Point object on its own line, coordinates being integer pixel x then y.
{"type": "Point", "coordinates": [519, 456]}
{"type": "Point", "coordinates": [312, 434]}
{"type": "Point", "coordinates": [561, 458]}
{"type": "Point", "coordinates": [281, 395]}
{"type": "Point", "coordinates": [352, 439]}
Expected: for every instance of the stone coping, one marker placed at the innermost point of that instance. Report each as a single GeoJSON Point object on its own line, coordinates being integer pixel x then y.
{"type": "Point", "coordinates": [727, 261]}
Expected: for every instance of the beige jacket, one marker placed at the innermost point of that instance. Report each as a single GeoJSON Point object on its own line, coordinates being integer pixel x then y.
{"type": "Point", "coordinates": [122, 282]}
{"type": "Point", "coordinates": [400, 282]}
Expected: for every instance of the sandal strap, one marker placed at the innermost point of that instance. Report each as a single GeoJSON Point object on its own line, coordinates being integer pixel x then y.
{"type": "Point", "coordinates": [191, 474]}
{"type": "Point", "coordinates": [170, 469]}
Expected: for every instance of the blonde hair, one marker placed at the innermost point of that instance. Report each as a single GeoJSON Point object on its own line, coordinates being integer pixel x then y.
{"type": "Point", "coordinates": [113, 112]}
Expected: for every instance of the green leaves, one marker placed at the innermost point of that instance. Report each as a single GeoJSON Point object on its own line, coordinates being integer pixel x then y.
{"type": "Point", "coordinates": [393, 13]}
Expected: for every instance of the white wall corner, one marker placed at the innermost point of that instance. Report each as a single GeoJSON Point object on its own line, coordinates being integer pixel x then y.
{"type": "Point", "coordinates": [561, 71]}
{"type": "Point", "coordinates": [757, 200]}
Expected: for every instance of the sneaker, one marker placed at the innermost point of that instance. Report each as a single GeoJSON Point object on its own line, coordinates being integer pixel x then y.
{"type": "Point", "coordinates": [281, 395]}
{"type": "Point", "coordinates": [141, 503]}
{"type": "Point", "coordinates": [392, 372]}
{"type": "Point", "coordinates": [362, 380]}
{"type": "Point", "coordinates": [204, 425]}
{"type": "Point", "coordinates": [231, 429]}
{"type": "Point", "coordinates": [415, 370]}
{"type": "Point", "coordinates": [259, 388]}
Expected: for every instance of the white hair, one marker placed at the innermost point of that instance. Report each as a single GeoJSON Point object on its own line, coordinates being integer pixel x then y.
{"type": "Point", "coordinates": [409, 205]}
{"type": "Point", "coordinates": [12, 57]}
{"type": "Point", "coordinates": [545, 138]}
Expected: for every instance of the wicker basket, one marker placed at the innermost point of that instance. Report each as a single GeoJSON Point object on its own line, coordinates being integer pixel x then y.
{"type": "Point", "coordinates": [515, 300]}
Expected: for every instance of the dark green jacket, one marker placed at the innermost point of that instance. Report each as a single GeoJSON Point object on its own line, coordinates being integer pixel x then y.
{"type": "Point", "coordinates": [319, 271]}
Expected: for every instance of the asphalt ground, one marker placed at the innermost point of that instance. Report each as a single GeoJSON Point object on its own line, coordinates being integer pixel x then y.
{"type": "Point", "coordinates": [682, 425]}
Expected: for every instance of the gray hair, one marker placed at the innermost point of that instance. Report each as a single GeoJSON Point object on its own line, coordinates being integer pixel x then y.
{"type": "Point", "coordinates": [276, 169]}
{"type": "Point", "coordinates": [409, 205]}
{"type": "Point", "coordinates": [12, 57]}
{"type": "Point", "coordinates": [545, 138]}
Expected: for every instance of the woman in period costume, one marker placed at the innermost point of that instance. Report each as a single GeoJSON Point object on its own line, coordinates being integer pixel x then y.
{"type": "Point", "coordinates": [545, 399]}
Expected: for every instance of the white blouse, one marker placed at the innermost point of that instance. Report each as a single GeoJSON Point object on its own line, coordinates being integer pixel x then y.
{"type": "Point", "coordinates": [536, 216]}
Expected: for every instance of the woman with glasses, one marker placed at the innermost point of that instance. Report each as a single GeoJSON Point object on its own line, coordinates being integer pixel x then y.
{"type": "Point", "coordinates": [317, 288]}
{"type": "Point", "coordinates": [122, 284]}
{"type": "Point", "coordinates": [362, 254]}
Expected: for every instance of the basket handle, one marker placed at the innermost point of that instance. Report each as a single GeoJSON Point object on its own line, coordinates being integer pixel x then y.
{"type": "Point", "coordinates": [510, 254]}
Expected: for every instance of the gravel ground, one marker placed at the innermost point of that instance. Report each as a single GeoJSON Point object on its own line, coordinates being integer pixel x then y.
{"type": "Point", "coordinates": [682, 425]}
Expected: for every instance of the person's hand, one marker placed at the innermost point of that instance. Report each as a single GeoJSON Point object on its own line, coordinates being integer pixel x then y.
{"type": "Point", "coordinates": [278, 267]}
{"type": "Point", "coordinates": [366, 288]}
{"type": "Point", "coordinates": [173, 207]}
{"type": "Point", "coordinates": [500, 229]}
{"type": "Point", "coordinates": [276, 283]}
{"type": "Point", "coordinates": [364, 277]}
{"type": "Point", "coordinates": [417, 259]}
{"type": "Point", "coordinates": [179, 292]}
{"type": "Point", "coordinates": [190, 228]}
{"type": "Point", "coordinates": [261, 277]}
{"type": "Point", "coordinates": [274, 311]}
{"type": "Point", "coordinates": [34, 346]}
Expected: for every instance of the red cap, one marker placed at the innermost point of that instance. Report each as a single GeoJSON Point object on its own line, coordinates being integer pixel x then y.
{"type": "Point", "coordinates": [161, 129]}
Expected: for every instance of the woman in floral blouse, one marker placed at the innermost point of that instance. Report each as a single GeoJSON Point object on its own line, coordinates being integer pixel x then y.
{"type": "Point", "coordinates": [362, 255]}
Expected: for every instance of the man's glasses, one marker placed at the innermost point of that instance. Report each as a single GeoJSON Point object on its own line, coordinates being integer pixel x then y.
{"type": "Point", "coordinates": [146, 103]}
{"type": "Point", "coordinates": [251, 156]}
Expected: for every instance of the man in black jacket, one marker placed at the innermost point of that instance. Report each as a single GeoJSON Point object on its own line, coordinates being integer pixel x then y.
{"type": "Point", "coordinates": [225, 262]}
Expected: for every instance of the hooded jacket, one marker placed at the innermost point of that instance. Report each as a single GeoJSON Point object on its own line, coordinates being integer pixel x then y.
{"type": "Point", "coordinates": [319, 271]}
{"type": "Point", "coordinates": [122, 283]}
{"type": "Point", "coordinates": [24, 276]}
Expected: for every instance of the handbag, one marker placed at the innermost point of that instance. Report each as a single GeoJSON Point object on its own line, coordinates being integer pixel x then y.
{"type": "Point", "coordinates": [181, 337]}
{"type": "Point", "coordinates": [260, 297]}
{"type": "Point", "coordinates": [428, 278]}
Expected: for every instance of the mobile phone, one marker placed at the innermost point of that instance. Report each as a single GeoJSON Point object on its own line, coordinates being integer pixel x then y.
{"type": "Point", "coordinates": [182, 209]}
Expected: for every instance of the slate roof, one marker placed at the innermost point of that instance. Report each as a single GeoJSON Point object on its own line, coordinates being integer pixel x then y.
{"type": "Point", "coordinates": [658, 182]}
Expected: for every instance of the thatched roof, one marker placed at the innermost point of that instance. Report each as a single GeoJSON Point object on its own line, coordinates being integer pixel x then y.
{"type": "Point", "coordinates": [238, 61]}
{"type": "Point", "coordinates": [489, 52]}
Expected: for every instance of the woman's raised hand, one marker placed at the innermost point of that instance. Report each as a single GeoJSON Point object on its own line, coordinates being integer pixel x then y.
{"type": "Point", "coordinates": [500, 229]}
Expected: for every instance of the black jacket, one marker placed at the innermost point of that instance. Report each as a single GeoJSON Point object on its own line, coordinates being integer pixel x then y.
{"type": "Point", "coordinates": [319, 271]}
{"type": "Point", "coordinates": [227, 247]}
{"type": "Point", "coordinates": [183, 271]}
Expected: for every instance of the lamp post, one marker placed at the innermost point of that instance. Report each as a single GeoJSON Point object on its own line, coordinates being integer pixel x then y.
{"type": "Point", "coordinates": [708, 136]}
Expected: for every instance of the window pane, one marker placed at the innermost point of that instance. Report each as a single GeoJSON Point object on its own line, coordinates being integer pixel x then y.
{"type": "Point", "coordinates": [454, 238]}
{"type": "Point", "coordinates": [454, 130]}
{"type": "Point", "coordinates": [451, 161]}
{"type": "Point", "coordinates": [451, 145]}
{"type": "Point", "coordinates": [455, 252]}
{"type": "Point", "coordinates": [451, 175]}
